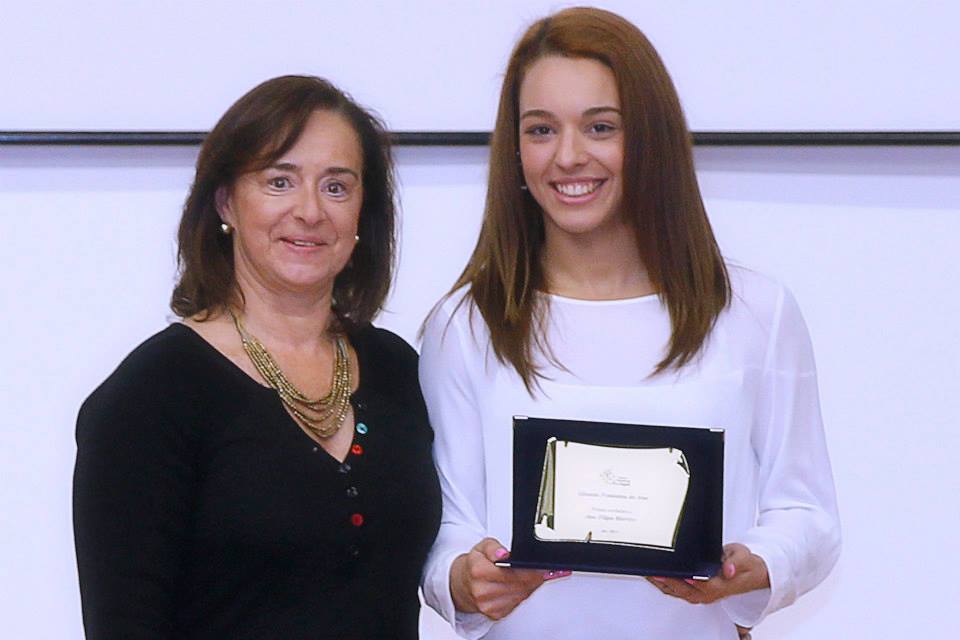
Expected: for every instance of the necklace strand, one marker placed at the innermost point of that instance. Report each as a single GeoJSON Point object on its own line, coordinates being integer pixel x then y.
{"type": "Point", "coordinates": [322, 417]}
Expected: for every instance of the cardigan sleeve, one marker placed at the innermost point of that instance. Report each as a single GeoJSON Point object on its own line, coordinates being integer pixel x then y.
{"type": "Point", "coordinates": [448, 367]}
{"type": "Point", "coordinates": [132, 496]}
{"type": "Point", "coordinates": [797, 532]}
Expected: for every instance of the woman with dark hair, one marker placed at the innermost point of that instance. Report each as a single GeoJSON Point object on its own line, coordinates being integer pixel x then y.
{"type": "Point", "coordinates": [245, 472]}
{"type": "Point", "coordinates": [597, 292]}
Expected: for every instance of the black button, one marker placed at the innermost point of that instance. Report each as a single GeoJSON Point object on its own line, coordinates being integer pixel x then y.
{"type": "Point", "coordinates": [344, 467]}
{"type": "Point", "coordinates": [352, 492]}
{"type": "Point", "coordinates": [354, 551]}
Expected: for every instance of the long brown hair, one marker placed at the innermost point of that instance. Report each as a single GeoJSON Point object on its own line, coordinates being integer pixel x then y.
{"type": "Point", "coordinates": [259, 128]}
{"type": "Point", "coordinates": [660, 194]}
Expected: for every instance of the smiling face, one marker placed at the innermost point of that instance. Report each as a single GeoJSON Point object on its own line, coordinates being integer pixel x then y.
{"type": "Point", "coordinates": [295, 221]}
{"type": "Point", "coordinates": [571, 145]}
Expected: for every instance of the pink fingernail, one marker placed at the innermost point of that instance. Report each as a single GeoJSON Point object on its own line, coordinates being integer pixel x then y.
{"type": "Point", "coordinates": [657, 578]}
{"type": "Point", "coordinates": [501, 553]}
{"type": "Point", "coordinates": [688, 580]}
{"type": "Point", "coordinates": [553, 575]}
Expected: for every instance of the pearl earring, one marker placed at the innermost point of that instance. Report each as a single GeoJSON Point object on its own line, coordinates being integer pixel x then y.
{"type": "Point", "coordinates": [225, 229]}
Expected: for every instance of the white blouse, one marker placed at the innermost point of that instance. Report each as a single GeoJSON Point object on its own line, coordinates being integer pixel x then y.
{"type": "Point", "coordinates": [755, 377]}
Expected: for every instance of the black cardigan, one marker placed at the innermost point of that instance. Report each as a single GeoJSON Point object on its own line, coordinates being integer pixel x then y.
{"type": "Point", "coordinates": [201, 510]}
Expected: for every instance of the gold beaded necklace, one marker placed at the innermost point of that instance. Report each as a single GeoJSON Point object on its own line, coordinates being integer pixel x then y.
{"type": "Point", "coordinates": [322, 417]}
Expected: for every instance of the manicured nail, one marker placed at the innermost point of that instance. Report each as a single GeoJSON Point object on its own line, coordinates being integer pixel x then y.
{"type": "Point", "coordinates": [501, 553]}
{"type": "Point", "coordinates": [553, 575]}
{"type": "Point", "coordinates": [688, 580]}
{"type": "Point", "coordinates": [657, 578]}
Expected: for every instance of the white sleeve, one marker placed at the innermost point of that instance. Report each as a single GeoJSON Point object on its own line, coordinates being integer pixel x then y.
{"type": "Point", "coordinates": [798, 529]}
{"type": "Point", "coordinates": [450, 364]}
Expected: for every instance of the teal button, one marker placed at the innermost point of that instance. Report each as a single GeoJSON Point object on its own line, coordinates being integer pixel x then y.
{"type": "Point", "coordinates": [361, 428]}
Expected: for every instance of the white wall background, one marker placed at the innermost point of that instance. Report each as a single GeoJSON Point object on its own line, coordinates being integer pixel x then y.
{"type": "Point", "coordinates": [865, 237]}
{"type": "Point", "coordinates": [739, 64]}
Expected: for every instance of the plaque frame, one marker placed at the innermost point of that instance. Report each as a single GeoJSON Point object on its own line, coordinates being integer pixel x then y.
{"type": "Point", "coordinates": [698, 549]}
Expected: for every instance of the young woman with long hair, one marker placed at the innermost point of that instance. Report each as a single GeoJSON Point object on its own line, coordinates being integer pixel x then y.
{"type": "Point", "coordinates": [597, 291]}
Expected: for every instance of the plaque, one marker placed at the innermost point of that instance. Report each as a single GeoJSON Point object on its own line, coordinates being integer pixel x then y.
{"type": "Point", "coordinates": [617, 498]}
{"type": "Point", "coordinates": [609, 494]}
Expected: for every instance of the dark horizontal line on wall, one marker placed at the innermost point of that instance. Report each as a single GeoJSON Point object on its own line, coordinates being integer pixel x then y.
{"type": "Point", "coordinates": [481, 138]}
{"type": "Point", "coordinates": [826, 138]}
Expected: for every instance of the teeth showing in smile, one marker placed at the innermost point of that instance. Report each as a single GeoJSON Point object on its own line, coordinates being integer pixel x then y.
{"type": "Point", "coordinates": [304, 243]}
{"type": "Point", "coordinates": [577, 188]}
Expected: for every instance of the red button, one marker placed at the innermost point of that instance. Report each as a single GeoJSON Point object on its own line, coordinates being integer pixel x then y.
{"type": "Point", "coordinates": [356, 450]}
{"type": "Point", "coordinates": [356, 519]}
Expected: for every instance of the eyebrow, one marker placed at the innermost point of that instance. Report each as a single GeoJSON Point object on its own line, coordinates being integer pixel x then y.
{"type": "Point", "coordinates": [592, 111]}
{"type": "Point", "coordinates": [289, 166]}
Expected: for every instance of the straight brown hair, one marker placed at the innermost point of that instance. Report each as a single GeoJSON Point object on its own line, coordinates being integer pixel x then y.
{"type": "Point", "coordinates": [660, 195]}
{"type": "Point", "coordinates": [256, 130]}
